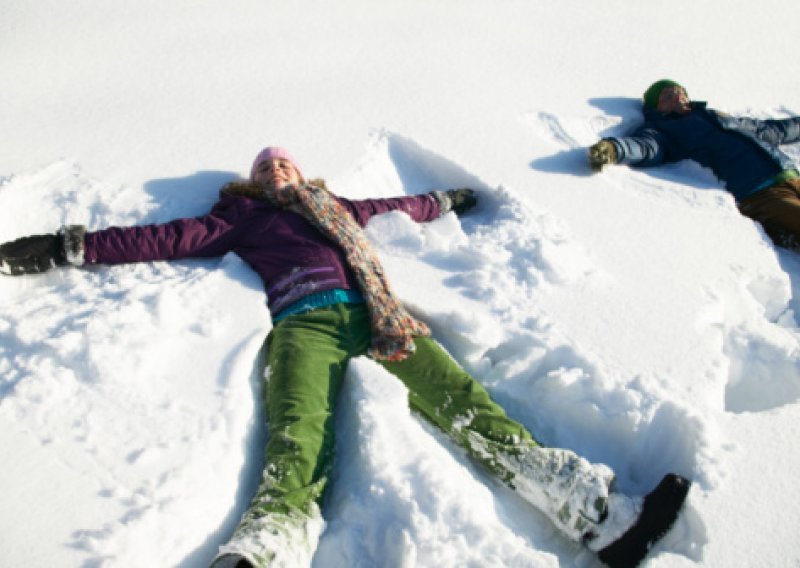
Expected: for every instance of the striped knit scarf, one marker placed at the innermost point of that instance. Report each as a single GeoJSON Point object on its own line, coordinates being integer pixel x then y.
{"type": "Point", "coordinates": [392, 326]}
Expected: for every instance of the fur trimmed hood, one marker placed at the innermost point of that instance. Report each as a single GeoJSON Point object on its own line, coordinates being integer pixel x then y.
{"type": "Point", "coordinates": [253, 190]}
{"type": "Point", "coordinates": [243, 188]}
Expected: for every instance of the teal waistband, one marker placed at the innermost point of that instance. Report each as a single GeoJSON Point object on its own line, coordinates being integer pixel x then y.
{"type": "Point", "coordinates": [320, 300]}
{"type": "Point", "coordinates": [780, 178]}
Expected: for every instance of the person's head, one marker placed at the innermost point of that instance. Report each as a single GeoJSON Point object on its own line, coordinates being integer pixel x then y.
{"type": "Point", "coordinates": [667, 96]}
{"type": "Point", "coordinates": [276, 168]}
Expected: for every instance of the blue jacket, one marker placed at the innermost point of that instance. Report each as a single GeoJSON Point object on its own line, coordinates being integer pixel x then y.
{"type": "Point", "coordinates": [742, 152]}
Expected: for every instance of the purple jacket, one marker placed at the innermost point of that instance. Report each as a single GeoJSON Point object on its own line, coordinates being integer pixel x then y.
{"type": "Point", "coordinates": [292, 257]}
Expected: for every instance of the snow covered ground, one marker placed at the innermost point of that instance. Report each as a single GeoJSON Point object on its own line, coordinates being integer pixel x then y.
{"type": "Point", "coordinates": [633, 316]}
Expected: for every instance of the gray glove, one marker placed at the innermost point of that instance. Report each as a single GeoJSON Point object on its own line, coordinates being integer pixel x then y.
{"type": "Point", "coordinates": [40, 253]}
{"type": "Point", "coordinates": [459, 201]}
{"type": "Point", "coordinates": [602, 153]}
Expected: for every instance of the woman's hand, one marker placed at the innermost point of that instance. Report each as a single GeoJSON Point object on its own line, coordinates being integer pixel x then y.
{"type": "Point", "coordinates": [32, 255]}
{"type": "Point", "coordinates": [458, 201]}
{"type": "Point", "coordinates": [462, 200]}
{"type": "Point", "coordinates": [39, 253]}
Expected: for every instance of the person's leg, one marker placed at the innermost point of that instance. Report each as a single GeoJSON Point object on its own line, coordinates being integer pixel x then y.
{"type": "Point", "coordinates": [571, 491]}
{"type": "Point", "coordinates": [307, 358]}
{"type": "Point", "coordinates": [778, 210]}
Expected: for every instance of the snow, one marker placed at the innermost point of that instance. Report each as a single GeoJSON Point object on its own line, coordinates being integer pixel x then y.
{"type": "Point", "coordinates": [632, 316]}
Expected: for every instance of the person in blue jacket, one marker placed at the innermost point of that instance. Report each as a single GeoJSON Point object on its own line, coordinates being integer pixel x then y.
{"type": "Point", "coordinates": [744, 153]}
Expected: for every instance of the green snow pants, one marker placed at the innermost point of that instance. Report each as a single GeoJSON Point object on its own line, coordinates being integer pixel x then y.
{"type": "Point", "coordinates": [307, 357]}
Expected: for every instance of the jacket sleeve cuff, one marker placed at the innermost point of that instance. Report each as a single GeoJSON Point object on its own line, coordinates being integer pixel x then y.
{"type": "Point", "coordinates": [444, 201]}
{"type": "Point", "coordinates": [620, 151]}
{"type": "Point", "coordinates": [73, 244]}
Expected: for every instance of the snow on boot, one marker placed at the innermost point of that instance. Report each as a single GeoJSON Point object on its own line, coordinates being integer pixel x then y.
{"type": "Point", "coordinates": [659, 511]}
{"type": "Point", "coordinates": [273, 540]}
{"type": "Point", "coordinates": [567, 488]}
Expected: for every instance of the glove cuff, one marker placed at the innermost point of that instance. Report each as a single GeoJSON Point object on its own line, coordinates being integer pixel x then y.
{"type": "Point", "coordinates": [445, 203]}
{"type": "Point", "coordinates": [617, 149]}
{"type": "Point", "coordinates": [73, 243]}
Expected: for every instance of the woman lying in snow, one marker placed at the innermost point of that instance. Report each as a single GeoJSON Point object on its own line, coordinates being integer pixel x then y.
{"type": "Point", "coordinates": [330, 301]}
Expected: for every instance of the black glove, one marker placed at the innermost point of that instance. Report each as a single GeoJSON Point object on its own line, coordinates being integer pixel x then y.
{"type": "Point", "coordinates": [602, 153]}
{"type": "Point", "coordinates": [459, 201]}
{"type": "Point", "coordinates": [31, 255]}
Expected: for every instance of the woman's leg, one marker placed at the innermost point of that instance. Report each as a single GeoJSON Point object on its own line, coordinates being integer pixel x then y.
{"type": "Point", "coordinates": [307, 358]}
{"type": "Point", "coordinates": [571, 491]}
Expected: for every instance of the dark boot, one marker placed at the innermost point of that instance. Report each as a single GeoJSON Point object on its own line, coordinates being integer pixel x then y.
{"type": "Point", "coordinates": [659, 511]}
{"type": "Point", "coordinates": [231, 561]}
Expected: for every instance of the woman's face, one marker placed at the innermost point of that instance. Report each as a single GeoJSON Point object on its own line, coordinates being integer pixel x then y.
{"type": "Point", "coordinates": [276, 173]}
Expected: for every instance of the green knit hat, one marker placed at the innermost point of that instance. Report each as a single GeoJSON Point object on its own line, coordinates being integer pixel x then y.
{"type": "Point", "coordinates": [653, 91]}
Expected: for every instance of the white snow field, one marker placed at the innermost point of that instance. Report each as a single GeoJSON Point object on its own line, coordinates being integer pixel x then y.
{"type": "Point", "coordinates": [633, 316]}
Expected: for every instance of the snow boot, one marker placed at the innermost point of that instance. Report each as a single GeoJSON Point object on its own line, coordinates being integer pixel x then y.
{"type": "Point", "coordinates": [231, 561]}
{"type": "Point", "coordinates": [659, 511]}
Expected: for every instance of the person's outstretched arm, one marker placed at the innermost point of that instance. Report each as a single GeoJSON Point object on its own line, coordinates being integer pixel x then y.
{"type": "Point", "coordinates": [40, 253]}
{"type": "Point", "coordinates": [421, 208]}
{"type": "Point", "coordinates": [207, 236]}
{"type": "Point", "coordinates": [779, 131]}
{"type": "Point", "coordinates": [645, 147]}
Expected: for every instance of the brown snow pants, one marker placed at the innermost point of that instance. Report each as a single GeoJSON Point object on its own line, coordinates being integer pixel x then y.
{"type": "Point", "coordinates": [777, 208]}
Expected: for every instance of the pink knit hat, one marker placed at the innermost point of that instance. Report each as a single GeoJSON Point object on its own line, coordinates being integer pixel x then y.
{"type": "Point", "coordinates": [271, 152]}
